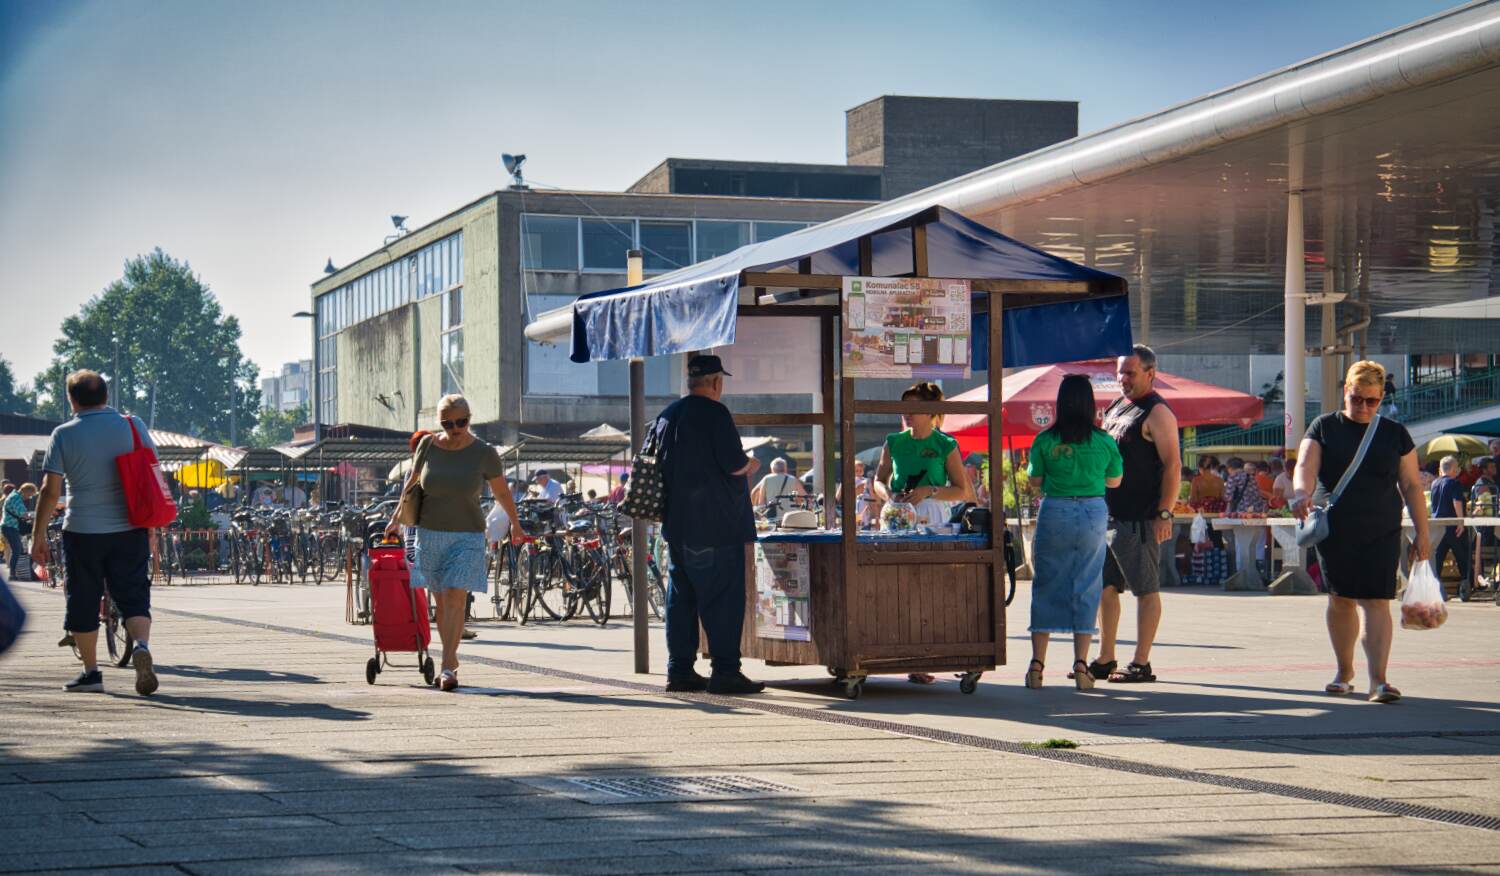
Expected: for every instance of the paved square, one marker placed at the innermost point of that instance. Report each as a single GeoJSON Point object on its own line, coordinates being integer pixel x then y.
{"type": "Point", "coordinates": [266, 751]}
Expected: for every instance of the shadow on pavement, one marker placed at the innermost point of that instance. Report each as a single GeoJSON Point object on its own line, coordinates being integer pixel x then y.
{"type": "Point", "coordinates": [246, 708]}
{"type": "Point", "coordinates": [233, 674]}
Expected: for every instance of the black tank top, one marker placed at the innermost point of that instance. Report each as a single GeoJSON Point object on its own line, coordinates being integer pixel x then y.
{"type": "Point", "coordinates": [1139, 493]}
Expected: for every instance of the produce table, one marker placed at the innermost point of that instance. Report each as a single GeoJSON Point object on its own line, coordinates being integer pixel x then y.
{"type": "Point", "coordinates": [908, 611]}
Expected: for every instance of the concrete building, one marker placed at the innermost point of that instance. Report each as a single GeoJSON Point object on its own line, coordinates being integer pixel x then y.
{"type": "Point", "coordinates": [288, 390]}
{"type": "Point", "coordinates": [442, 309]}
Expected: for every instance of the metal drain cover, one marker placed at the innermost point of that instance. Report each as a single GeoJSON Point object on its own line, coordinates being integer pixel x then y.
{"type": "Point", "coordinates": [664, 789]}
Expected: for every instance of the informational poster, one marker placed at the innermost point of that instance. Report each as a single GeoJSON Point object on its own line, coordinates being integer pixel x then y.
{"type": "Point", "coordinates": [783, 592]}
{"type": "Point", "coordinates": [906, 327]}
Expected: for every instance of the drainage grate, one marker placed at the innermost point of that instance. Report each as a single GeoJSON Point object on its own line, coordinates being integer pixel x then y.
{"type": "Point", "coordinates": [663, 789]}
{"type": "Point", "coordinates": [1079, 758]}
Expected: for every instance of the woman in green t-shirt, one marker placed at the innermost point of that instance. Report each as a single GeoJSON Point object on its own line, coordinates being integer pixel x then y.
{"type": "Point", "coordinates": [1071, 463]}
{"type": "Point", "coordinates": [920, 466]}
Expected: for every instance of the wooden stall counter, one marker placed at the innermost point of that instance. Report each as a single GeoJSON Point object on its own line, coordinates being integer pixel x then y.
{"type": "Point", "coordinates": [915, 603]}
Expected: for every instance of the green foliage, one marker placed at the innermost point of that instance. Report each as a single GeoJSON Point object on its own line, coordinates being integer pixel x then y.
{"type": "Point", "coordinates": [173, 340]}
{"type": "Point", "coordinates": [276, 427]}
{"type": "Point", "coordinates": [1016, 478]}
{"type": "Point", "coordinates": [14, 399]}
{"type": "Point", "coordinates": [194, 515]}
{"type": "Point", "coordinates": [1051, 743]}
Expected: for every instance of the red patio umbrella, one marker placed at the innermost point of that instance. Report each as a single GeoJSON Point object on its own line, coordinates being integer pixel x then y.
{"type": "Point", "coordinates": [1030, 401]}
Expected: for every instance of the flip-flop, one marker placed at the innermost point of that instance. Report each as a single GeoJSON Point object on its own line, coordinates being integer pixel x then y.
{"type": "Point", "coordinates": [1384, 693]}
{"type": "Point", "coordinates": [1338, 688]}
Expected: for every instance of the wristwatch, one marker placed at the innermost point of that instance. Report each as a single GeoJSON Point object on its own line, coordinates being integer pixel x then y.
{"type": "Point", "coordinates": [1164, 514]}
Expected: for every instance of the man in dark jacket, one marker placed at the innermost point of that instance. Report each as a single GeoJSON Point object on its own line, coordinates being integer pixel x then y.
{"type": "Point", "coordinates": [707, 524]}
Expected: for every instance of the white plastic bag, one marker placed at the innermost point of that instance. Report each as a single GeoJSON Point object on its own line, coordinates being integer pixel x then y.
{"type": "Point", "coordinates": [497, 525]}
{"type": "Point", "coordinates": [1199, 530]}
{"type": "Point", "coordinates": [1422, 605]}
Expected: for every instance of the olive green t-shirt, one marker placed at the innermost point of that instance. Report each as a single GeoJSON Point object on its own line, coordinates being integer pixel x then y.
{"type": "Point", "coordinates": [1073, 470]}
{"type": "Point", "coordinates": [451, 483]}
{"type": "Point", "coordinates": [926, 458]}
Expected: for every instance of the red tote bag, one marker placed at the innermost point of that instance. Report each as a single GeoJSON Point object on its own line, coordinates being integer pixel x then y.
{"type": "Point", "coordinates": [148, 501]}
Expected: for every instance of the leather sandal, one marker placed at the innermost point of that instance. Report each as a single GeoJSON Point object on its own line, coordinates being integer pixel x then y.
{"type": "Point", "coordinates": [1135, 673]}
{"type": "Point", "coordinates": [1083, 679]}
{"type": "Point", "coordinates": [1100, 671]}
{"type": "Point", "coordinates": [1338, 688]}
{"type": "Point", "coordinates": [1034, 675]}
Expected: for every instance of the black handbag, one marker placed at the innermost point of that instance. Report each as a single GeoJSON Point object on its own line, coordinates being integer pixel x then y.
{"type": "Point", "coordinates": [646, 493]}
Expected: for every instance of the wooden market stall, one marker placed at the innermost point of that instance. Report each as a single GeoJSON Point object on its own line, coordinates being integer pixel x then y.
{"type": "Point", "coordinates": [875, 603]}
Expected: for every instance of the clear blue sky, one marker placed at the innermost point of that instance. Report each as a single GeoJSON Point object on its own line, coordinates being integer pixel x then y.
{"type": "Point", "coordinates": [258, 139]}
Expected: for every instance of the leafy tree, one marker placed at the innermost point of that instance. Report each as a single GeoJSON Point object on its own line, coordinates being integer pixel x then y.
{"type": "Point", "coordinates": [177, 350]}
{"type": "Point", "coordinates": [14, 399]}
{"type": "Point", "coordinates": [276, 427]}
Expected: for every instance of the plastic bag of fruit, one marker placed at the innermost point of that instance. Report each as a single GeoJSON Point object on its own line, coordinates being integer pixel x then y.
{"type": "Point", "coordinates": [1199, 530]}
{"type": "Point", "coordinates": [1422, 604]}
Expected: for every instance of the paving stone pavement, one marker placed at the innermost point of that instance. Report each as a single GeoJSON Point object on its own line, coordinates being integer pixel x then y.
{"type": "Point", "coordinates": [266, 752]}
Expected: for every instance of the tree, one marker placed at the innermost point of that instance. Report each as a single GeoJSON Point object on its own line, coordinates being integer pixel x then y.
{"type": "Point", "coordinates": [177, 351]}
{"type": "Point", "coordinates": [275, 427]}
{"type": "Point", "coordinates": [14, 399]}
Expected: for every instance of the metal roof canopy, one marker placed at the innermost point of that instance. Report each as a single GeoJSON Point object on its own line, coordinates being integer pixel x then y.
{"type": "Point", "coordinates": [355, 451]}
{"type": "Point", "coordinates": [563, 451]}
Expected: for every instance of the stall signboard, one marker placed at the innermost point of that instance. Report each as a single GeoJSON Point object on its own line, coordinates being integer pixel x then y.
{"type": "Point", "coordinates": [783, 592]}
{"type": "Point", "coordinates": [905, 327]}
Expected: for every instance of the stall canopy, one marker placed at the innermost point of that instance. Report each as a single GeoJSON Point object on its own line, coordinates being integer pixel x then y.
{"type": "Point", "coordinates": [1030, 400]}
{"type": "Point", "coordinates": [695, 308]}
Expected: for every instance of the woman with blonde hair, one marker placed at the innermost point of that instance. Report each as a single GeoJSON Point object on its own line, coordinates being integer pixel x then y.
{"type": "Point", "coordinates": [1360, 556]}
{"type": "Point", "coordinates": [452, 468]}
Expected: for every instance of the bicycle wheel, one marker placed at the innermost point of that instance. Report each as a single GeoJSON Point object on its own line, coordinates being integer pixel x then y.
{"type": "Point", "coordinates": [510, 588]}
{"type": "Point", "coordinates": [547, 586]}
{"type": "Point", "coordinates": [656, 589]}
{"type": "Point", "coordinates": [596, 595]}
{"type": "Point", "coordinates": [121, 645]}
{"type": "Point", "coordinates": [164, 560]}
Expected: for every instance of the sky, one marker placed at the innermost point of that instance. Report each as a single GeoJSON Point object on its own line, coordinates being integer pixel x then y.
{"type": "Point", "coordinates": [257, 140]}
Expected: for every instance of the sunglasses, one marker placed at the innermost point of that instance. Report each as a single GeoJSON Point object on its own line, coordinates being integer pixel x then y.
{"type": "Point", "coordinates": [1367, 401]}
{"type": "Point", "coordinates": [450, 425]}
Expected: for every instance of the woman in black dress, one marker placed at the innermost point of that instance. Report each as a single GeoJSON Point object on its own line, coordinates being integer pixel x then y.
{"type": "Point", "coordinates": [1363, 549]}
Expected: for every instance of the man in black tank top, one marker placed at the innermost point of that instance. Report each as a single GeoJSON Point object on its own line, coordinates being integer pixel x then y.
{"type": "Point", "coordinates": [1140, 512]}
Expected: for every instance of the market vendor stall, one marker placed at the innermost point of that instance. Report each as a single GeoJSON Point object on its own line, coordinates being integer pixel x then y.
{"type": "Point", "coordinates": [860, 603]}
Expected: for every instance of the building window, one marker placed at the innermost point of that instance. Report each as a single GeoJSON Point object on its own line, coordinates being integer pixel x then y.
{"type": "Point", "coordinates": [717, 238]}
{"type": "Point", "coordinates": [605, 243]}
{"type": "Point", "coordinates": [666, 246]}
{"type": "Point", "coordinates": [771, 230]}
{"type": "Point", "coordinates": [549, 243]}
{"type": "Point", "coordinates": [452, 341]}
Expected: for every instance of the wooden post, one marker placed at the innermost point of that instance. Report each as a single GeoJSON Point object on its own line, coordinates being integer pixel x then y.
{"type": "Point", "coordinates": [997, 479]}
{"type": "Point", "coordinates": [635, 274]}
{"type": "Point", "coordinates": [850, 535]}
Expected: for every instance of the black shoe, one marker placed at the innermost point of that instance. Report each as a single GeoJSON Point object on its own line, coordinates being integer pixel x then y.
{"type": "Point", "coordinates": [694, 683]}
{"type": "Point", "coordinates": [86, 682]}
{"type": "Point", "coordinates": [734, 684]}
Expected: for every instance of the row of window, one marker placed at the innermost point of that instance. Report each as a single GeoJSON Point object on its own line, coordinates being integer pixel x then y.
{"type": "Point", "coordinates": [452, 341]}
{"type": "Point", "coordinates": [574, 243]}
{"type": "Point", "coordinates": [434, 268]}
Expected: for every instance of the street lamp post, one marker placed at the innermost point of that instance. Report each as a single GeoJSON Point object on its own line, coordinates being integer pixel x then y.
{"type": "Point", "coordinates": [317, 415]}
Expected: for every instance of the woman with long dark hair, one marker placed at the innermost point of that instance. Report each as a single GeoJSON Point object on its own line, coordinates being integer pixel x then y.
{"type": "Point", "coordinates": [1071, 463]}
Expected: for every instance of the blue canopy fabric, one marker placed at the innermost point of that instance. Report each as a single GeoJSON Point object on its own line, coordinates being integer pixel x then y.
{"type": "Point", "coordinates": [694, 308]}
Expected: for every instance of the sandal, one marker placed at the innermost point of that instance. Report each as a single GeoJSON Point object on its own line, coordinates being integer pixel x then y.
{"type": "Point", "coordinates": [1034, 676]}
{"type": "Point", "coordinates": [1384, 693]}
{"type": "Point", "coordinates": [1082, 680]}
{"type": "Point", "coordinates": [1099, 670]}
{"type": "Point", "coordinates": [1135, 673]}
{"type": "Point", "coordinates": [1338, 688]}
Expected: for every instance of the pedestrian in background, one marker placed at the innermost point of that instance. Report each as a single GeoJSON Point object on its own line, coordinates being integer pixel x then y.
{"type": "Point", "coordinates": [1072, 463]}
{"type": "Point", "coordinates": [1140, 510]}
{"type": "Point", "coordinates": [1360, 556]}
{"type": "Point", "coordinates": [707, 524]}
{"type": "Point", "coordinates": [100, 545]}
{"type": "Point", "coordinates": [12, 517]}
{"type": "Point", "coordinates": [452, 468]}
{"type": "Point", "coordinates": [1447, 499]}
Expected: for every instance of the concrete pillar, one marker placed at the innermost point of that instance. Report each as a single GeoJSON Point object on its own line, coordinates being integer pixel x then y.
{"type": "Point", "coordinates": [1294, 342]}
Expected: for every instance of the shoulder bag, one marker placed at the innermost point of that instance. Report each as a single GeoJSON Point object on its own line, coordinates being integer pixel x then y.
{"type": "Point", "coordinates": [409, 508]}
{"type": "Point", "coordinates": [646, 493]}
{"type": "Point", "coordinates": [148, 500]}
{"type": "Point", "coordinates": [1314, 527]}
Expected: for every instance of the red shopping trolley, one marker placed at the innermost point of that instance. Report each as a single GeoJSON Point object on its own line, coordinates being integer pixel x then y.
{"type": "Point", "coordinates": [399, 611]}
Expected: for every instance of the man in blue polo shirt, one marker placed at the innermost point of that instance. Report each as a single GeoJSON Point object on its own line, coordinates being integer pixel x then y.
{"type": "Point", "coordinates": [707, 522]}
{"type": "Point", "coordinates": [1447, 500]}
{"type": "Point", "coordinates": [100, 546]}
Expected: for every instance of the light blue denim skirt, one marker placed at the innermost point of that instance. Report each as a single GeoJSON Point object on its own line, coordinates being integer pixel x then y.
{"type": "Point", "coordinates": [1067, 562]}
{"type": "Point", "coordinates": [451, 560]}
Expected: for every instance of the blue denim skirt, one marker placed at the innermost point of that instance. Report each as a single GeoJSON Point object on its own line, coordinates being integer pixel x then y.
{"type": "Point", "coordinates": [450, 560]}
{"type": "Point", "coordinates": [1067, 562]}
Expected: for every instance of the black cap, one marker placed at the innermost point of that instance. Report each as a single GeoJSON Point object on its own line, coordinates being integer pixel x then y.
{"type": "Point", "coordinates": [705, 366]}
{"type": "Point", "coordinates": [539, 472]}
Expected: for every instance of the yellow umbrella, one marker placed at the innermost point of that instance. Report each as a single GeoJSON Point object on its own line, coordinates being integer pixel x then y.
{"type": "Point", "coordinates": [206, 474]}
{"type": "Point", "coordinates": [1452, 445]}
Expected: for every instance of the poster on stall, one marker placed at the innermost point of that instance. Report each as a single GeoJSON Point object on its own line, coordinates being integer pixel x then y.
{"type": "Point", "coordinates": [912, 328]}
{"type": "Point", "coordinates": [783, 594]}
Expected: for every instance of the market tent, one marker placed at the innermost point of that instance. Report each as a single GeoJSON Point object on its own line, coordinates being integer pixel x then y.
{"type": "Point", "coordinates": [695, 308]}
{"type": "Point", "coordinates": [1030, 397]}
